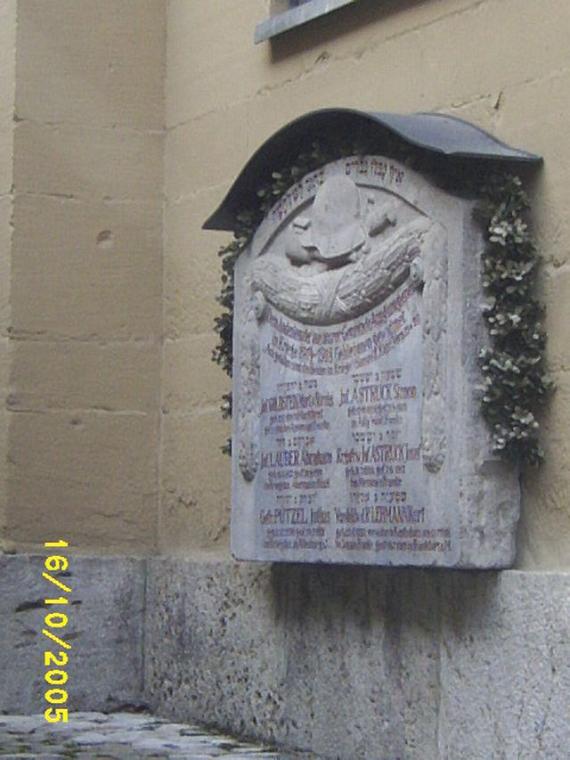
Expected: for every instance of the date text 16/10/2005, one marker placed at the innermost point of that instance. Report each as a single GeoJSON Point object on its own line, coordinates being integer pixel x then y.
{"type": "Point", "coordinates": [55, 620]}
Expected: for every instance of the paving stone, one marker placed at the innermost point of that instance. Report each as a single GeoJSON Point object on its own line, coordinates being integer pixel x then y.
{"type": "Point", "coordinates": [72, 726]}
{"type": "Point", "coordinates": [91, 739]}
{"type": "Point", "coordinates": [120, 736]}
{"type": "Point", "coordinates": [98, 717]}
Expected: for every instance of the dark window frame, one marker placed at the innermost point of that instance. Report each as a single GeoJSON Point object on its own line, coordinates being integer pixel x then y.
{"type": "Point", "coordinates": [299, 12]}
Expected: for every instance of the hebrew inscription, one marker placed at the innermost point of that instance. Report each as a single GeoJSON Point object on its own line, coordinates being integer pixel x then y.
{"type": "Point", "coordinates": [341, 432]}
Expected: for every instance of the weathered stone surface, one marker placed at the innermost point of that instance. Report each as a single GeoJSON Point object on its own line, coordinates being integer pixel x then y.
{"type": "Point", "coordinates": [194, 510]}
{"type": "Point", "coordinates": [91, 61]}
{"type": "Point", "coordinates": [362, 662]}
{"type": "Point", "coordinates": [90, 153]}
{"type": "Point", "coordinates": [104, 630]}
{"type": "Point", "coordinates": [505, 666]}
{"type": "Point", "coordinates": [80, 267]}
{"type": "Point", "coordinates": [101, 294]}
{"type": "Point", "coordinates": [432, 665]}
{"type": "Point", "coordinates": [95, 470]}
{"type": "Point", "coordinates": [357, 435]}
{"type": "Point", "coordinates": [117, 377]}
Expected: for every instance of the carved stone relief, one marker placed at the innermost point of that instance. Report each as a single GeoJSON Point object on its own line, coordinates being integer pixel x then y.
{"type": "Point", "coordinates": [347, 254]}
{"type": "Point", "coordinates": [343, 378]}
{"type": "Point", "coordinates": [343, 257]}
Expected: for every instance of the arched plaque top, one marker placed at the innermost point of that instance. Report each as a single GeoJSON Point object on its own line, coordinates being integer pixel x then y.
{"type": "Point", "coordinates": [439, 134]}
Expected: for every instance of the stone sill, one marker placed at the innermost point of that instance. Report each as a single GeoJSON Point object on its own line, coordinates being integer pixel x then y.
{"type": "Point", "coordinates": [283, 22]}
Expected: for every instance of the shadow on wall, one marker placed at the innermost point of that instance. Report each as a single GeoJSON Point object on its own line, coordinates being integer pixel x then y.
{"type": "Point", "coordinates": [365, 598]}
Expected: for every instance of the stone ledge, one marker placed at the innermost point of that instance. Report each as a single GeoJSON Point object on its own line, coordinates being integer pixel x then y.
{"type": "Point", "coordinates": [105, 631]}
{"type": "Point", "coordinates": [364, 663]}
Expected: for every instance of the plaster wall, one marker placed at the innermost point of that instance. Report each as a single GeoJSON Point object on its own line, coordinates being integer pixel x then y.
{"type": "Point", "coordinates": [85, 313]}
{"type": "Point", "coordinates": [503, 64]}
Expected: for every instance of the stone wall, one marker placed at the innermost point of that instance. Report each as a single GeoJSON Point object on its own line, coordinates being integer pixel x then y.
{"type": "Point", "coordinates": [112, 437]}
{"type": "Point", "coordinates": [364, 664]}
{"type": "Point", "coordinates": [86, 274]}
{"type": "Point", "coordinates": [502, 64]}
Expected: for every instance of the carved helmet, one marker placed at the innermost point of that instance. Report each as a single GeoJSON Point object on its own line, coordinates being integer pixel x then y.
{"type": "Point", "coordinates": [336, 228]}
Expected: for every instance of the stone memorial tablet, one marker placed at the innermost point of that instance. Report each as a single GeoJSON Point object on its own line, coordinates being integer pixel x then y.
{"type": "Point", "coordinates": [357, 434]}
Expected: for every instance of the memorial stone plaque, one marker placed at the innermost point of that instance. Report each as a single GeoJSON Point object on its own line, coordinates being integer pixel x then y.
{"type": "Point", "coordinates": [357, 434]}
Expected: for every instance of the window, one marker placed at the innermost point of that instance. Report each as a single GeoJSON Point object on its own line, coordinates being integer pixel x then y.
{"type": "Point", "coordinates": [287, 14]}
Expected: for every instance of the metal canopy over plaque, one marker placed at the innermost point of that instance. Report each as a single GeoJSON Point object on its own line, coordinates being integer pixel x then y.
{"type": "Point", "coordinates": [357, 436]}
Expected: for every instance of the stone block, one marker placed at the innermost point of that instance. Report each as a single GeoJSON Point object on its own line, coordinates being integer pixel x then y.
{"type": "Point", "coordinates": [101, 63]}
{"type": "Point", "coordinates": [197, 84]}
{"type": "Point", "coordinates": [427, 37]}
{"type": "Point", "coordinates": [104, 630]}
{"type": "Point", "coordinates": [544, 536]}
{"type": "Point", "coordinates": [7, 61]}
{"type": "Point", "coordinates": [6, 158]}
{"type": "Point", "coordinates": [191, 265]}
{"type": "Point", "coordinates": [6, 356]}
{"type": "Point", "coordinates": [5, 362]}
{"type": "Point", "coordinates": [71, 160]}
{"type": "Point", "coordinates": [448, 76]}
{"type": "Point", "coordinates": [556, 295]}
{"type": "Point", "coordinates": [86, 270]}
{"type": "Point", "coordinates": [89, 476]}
{"type": "Point", "coordinates": [191, 380]}
{"type": "Point", "coordinates": [82, 376]}
{"type": "Point", "coordinates": [505, 666]}
{"type": "Point", "coordinates": [300, 633]}
{"type": "Point", "coordinates": [195, 481]}
{"type": "Point", "coordinates": [522, 118]}
{"type": "Point", "coordinates": [6, 233]}
{"type": "Point", "coordinates": [432, 665]}
{"type": "Point", "coordinates": [4, 431]}
{"type": "Point", "coordinates": [194, 160]}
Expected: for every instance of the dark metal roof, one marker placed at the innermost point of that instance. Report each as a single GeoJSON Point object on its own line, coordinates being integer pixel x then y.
{"type": "Point", "coordinates": [434, 133]}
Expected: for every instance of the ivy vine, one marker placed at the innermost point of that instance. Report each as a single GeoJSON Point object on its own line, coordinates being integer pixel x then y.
{"type": "Point", "coordinates": [515, 383]}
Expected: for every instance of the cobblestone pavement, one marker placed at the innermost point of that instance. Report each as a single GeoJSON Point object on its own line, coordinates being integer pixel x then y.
{"type": "Point", "coordinates": [121, 736]}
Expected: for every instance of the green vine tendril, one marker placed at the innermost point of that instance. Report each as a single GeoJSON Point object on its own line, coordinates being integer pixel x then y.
{"type": "Point", "coordinates": [515, 383]}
